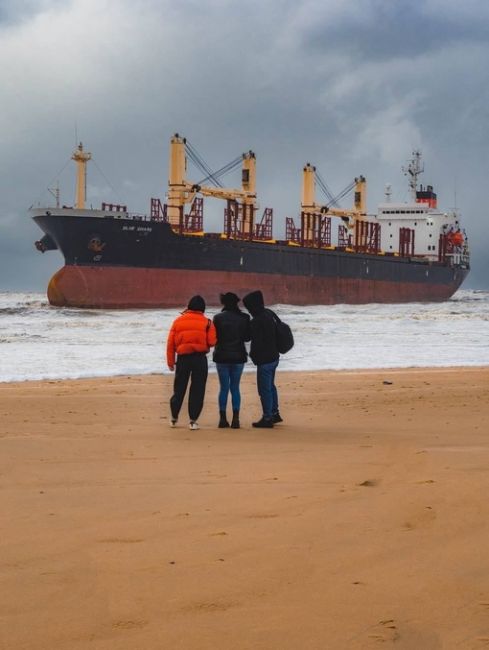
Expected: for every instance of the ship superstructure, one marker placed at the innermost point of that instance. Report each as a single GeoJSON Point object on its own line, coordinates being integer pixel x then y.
{"type": "Point", "coordinates": [114, 258]}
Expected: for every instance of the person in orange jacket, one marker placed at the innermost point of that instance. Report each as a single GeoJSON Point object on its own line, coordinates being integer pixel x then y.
{"type": "Point", "coordinates": [190, 338]}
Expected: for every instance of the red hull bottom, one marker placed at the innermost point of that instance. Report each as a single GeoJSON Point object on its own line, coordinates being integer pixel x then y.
{"type": "Point", "coordinates": [121, 287]}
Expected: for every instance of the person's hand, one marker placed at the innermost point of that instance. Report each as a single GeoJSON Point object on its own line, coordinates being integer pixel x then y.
{"type": "Point", "coordinates": [171, 368]}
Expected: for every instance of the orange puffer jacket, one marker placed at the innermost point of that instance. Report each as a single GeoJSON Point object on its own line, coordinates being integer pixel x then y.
{"type": "Point", "coordinates": [190, 332]}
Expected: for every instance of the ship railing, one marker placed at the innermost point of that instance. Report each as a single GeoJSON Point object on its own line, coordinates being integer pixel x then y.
{"type": "Point", "coordinates": [159, 210]}
{"type": "Point", "coordinates": [458, 258]}
{"type": "Point", "coordinates": [113, 207]}
{"type": "Point", "coordinates": [264, 230]}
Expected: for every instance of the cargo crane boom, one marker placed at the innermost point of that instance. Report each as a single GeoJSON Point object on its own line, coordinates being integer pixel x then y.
{"type": "Point", "coordinates": [181, 191]}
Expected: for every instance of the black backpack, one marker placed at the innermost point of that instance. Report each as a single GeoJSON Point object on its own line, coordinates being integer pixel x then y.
{"type": "Point", "coordinates": [285, 338]}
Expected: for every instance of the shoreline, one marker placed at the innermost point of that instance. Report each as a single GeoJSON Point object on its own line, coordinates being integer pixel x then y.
{"type": "Point", "coordinates": [361, 520]}
{"type": "Point", "coordinates": [251, 369]}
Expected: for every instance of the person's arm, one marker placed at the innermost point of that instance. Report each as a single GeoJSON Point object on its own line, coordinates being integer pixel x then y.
{"type": "Point", "coordinates": [211, 335]}
{"type": "Point", "coordinates": [247, 330]}
{"type": "Point", "coordinates": [170, 349]}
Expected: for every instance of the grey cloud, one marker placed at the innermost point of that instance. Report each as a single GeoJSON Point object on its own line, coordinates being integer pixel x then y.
{"type": "Point", "coordinates": [14, 12]}
{"type": "Point", "coordinates": [382, 29]}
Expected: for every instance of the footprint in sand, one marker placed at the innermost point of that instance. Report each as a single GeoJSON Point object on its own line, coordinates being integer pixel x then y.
{"type": "Point", "coordinates": [384, 631]}
{"type": "Point", "coordinates": [129, 625]}
{"type": "Point", "coordinates": [369, 483]}
{"type": "Point", "coordinates": [481, 642]}
{"type": "Point", "coordinates": [264, 515]}
{"type": "Point", "coordinates": [122, 540]}
{"type": "Point", "coordinates": [211, 606]}
{"type": "Point", "coordinates": [420, 519]}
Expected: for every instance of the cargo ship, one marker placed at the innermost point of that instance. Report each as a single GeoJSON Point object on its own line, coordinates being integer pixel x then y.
{"type": "Point", "coordinates": [114, 258]}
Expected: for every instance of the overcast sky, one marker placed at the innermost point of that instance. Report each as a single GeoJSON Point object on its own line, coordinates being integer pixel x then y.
{"type": "Point", "coordinates": [351, 86]}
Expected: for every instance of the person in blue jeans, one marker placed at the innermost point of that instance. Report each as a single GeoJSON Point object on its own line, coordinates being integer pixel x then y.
{"type": "Point", "coordinates": [265, 355]}
{"type": "Point", "coordinates": [232, 329]}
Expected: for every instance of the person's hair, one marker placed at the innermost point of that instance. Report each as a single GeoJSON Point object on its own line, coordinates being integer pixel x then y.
{"type": "Point", "coordinates": [229, 299]}
{"type": "Point", "coordinates": [196, 303]}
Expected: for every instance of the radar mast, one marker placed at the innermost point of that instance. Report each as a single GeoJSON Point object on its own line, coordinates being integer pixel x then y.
{"type": "Point", "coordinates": [412, 171]}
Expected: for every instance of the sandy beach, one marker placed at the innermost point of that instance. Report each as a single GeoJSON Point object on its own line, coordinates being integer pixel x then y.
{"type": "Point", "coordinates": [362, 521]}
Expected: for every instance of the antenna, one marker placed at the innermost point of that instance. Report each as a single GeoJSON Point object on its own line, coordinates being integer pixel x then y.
{"type": "Point", "coordinates": [55, 192]}
{"type": "Point", "coordinates": [413, 170]}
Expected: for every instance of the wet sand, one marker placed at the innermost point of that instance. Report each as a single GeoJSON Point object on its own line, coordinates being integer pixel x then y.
{"type": "Point", "coordinates": [362, 521]}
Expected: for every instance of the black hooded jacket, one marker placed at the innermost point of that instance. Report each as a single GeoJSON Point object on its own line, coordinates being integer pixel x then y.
{"type": "Point", "coordinates": [233, 329]}
{"type": "Point", "coordinates": [263, 330]}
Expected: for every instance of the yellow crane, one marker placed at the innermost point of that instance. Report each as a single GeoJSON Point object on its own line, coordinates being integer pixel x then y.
{"type": "Point", "coordinates": [312, 212]}
{"type": "Point", "coordinates": [182, 192]}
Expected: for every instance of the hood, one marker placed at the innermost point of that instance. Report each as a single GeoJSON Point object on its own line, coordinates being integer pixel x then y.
{"type": "Point", "coordinates": [254, 302]}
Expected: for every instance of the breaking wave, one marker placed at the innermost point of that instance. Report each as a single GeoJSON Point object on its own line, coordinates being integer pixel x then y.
{"type": "Point", "coordinates": [38, 341]}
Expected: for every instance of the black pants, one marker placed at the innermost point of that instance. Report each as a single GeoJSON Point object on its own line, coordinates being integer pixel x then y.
{"type": "Point", "coordinates": [193, 367]}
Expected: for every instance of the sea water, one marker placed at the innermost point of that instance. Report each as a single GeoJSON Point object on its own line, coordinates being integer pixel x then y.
{"type": "Point", "coordinates": [38, 341]}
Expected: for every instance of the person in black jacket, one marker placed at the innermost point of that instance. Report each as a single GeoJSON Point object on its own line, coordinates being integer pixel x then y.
{"type": "Point", "coordinates": [233, 329]}
{"type": "Point", "coordinates": [265, 355]}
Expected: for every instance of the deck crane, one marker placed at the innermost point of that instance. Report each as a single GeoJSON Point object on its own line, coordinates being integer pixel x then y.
{"type": "Point", "coordinates": [182, 192]}
{"type": "Point", "coordinates": [313, 214]}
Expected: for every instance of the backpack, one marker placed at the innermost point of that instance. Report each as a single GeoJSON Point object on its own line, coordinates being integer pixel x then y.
{"type": "Point", "coordinates": [285, 338]}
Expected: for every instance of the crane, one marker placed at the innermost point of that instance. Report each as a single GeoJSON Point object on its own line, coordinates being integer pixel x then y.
{"type": "Point", "coordinates": [313, 213]}
{"type": "Point", "coordinates": [182, 192]}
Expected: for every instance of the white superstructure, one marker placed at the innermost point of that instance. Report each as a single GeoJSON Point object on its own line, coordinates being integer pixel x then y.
{"type": "Point", "coordinates": [419, 225]}
{"type": "Point", "coordinates": [427, 223]}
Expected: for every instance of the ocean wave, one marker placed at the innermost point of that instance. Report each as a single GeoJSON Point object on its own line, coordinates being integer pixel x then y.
{"type": "Point", "coordinates": [44, 342]}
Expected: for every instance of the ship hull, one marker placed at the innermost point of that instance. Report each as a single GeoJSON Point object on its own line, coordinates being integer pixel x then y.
{"type": "Point", "coordinates": [122, 288]}
{"type": "Point", "coordinates": [122, 263]}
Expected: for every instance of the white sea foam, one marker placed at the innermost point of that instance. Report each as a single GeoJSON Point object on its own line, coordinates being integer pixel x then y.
{"type": "Point", "coordinates": [42, 342]}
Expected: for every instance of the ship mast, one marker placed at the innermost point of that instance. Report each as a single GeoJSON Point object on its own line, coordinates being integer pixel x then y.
{"type": "Point", "coordinates": [55, 191]}
{"type": "Point", "coordinates": [413, 170]}
{"type": "Point", "coordinates": [81, 158]}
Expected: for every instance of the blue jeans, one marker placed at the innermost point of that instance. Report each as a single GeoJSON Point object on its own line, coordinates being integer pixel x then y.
{"type": "Point", "coordinates": [229, 378]}
{"type": "Point", "coordinates": [265, 381]}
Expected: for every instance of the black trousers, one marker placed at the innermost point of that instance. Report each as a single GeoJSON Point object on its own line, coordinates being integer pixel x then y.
{"type": "Point", "coordinates": [193, 367]}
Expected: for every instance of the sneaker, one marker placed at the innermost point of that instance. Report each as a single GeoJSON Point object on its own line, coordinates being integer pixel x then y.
{"type": "Point", "coordinates": [276, 418]}
{"type": "Point", "coordinates": [193, 426]}
{"type": "Point", "coordinates": [173, 423]}
{"type": "Point", "coordinates": [264, 423]}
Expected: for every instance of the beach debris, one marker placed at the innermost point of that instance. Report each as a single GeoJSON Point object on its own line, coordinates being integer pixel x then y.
{"type": "Point", "coordinates": [368, 483]}
{"type": "Point", "coordinates": [386, 382]}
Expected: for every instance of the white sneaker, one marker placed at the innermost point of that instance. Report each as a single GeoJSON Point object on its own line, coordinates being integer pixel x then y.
{"type": "Point", "coordinates": [193, 426]}
{"type": "Point", "coordinates": [173, 423]}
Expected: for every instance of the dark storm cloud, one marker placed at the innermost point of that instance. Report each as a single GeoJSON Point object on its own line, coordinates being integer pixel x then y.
{"type": "Point", "coordinates": [387, 29]}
